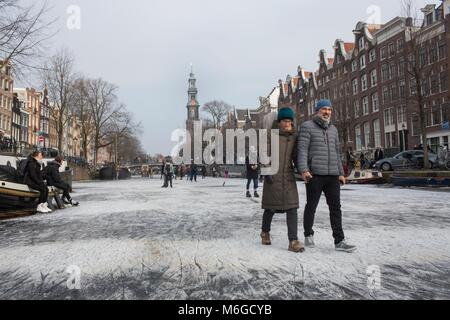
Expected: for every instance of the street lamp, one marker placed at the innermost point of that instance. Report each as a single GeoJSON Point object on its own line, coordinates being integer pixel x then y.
{"type": "Point", "coordinates": [403, 136]}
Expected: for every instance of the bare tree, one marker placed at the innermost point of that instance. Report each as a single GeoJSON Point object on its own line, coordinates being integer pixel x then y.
{"type": "Point", "coordinates": [416, 68]}
{"type": "Point", "coordinates": [109, 117]}
{"type": "Point", "coordinates": [59, 77]}
{"type": "Point", "coordinates": [82, 110]}
{"type": "Point", "coordinates": [218, 110]}
{"type": "Point", "coordinates": [121, 127]}
{"type": "Point", "coordinates": [23, 31]}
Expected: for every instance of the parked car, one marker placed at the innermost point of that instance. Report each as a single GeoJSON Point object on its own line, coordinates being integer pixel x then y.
{"type": "Point", "coordinates": [406, 160]}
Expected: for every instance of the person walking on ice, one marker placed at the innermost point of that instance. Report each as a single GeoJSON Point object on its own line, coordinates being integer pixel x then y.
{"type": "Point", "coordinates": [280, 194]}
{"type": "Point", "coordinates": [319, 162]}
{"type": "Point", "coordinates": [252, 176]}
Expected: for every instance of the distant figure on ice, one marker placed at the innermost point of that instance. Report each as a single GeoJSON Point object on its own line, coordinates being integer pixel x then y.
{"type": "Point", "coordinates": [34, 180]}
{"type": "Point", "coordinates": [203, 173]}
{"type": "Point", "coordinates": [319, 140]}
{"type": "Point", "coordinates": [379, 154]}
{"type": "Point", "coordinates": [54, 179]}
{"type": "Point", "coordinates": [252, 176]}
{"type": "Point", "coordinates": [162, 169]}
{"type": "Point", "coordinates": [280, 190]}
{"type": "Point", "coordinates": [193, 171]}
{"type": "Point", "coordinates": [168, 172]}
{"type": "Point", "coordinates": [226, 175]}
{"type": "Point", "coordinates": [182, 171]}
{"type": "Point", "coordinates": [214, 172]}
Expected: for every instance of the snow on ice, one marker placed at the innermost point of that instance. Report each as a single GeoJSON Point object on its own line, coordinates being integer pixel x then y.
{"type": "Point", "coordinates": [134, 240]}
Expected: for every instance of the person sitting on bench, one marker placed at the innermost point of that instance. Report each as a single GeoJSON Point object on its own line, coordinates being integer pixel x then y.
{"type": "Point", "coordinates": [54, 180]}
{"type": "Point", "coordinates": [33, 179]}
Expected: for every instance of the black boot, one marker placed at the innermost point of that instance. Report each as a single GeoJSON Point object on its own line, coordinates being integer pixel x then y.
{"type": "Point", "coordinates": [249, 195]}
{"type": "Point", "coordinates": [256, 194]}
{"type": "Point", "coordinates": [74, 203]}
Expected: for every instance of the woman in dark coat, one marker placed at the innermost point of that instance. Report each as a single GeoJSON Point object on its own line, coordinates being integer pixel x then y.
{"type": "Point", "coordinates": [280, 192]}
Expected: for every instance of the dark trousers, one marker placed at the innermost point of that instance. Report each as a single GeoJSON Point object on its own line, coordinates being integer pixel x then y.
{"type": "Point", "coordinates": [194, 177]}
{"type": "Point", "coordinates": [167, 180]}
{"type": "Point", "coordinates": [331, 187]}
{"type": "Point", "coordinates": [291, 220]}
{"type": "Point", "coordinates": [43, 191]}
{"type": "Point", "coordinates": [65, 188]}
{"type": "Point", "coordinates": [255, 183]}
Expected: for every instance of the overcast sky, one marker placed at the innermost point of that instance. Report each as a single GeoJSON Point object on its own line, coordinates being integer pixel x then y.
{"type": "Point", "coordinates": [239, 48]}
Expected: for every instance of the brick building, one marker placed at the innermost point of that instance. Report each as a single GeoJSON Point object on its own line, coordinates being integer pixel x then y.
{"type": "Point", "coordinates": [372, 91]}
{"type": "Point", "coordinates": [6, 99]}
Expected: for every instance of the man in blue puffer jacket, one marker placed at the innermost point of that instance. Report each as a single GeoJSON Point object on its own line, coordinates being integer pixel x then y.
{"type": "Point", "coordinates": [319, 162]}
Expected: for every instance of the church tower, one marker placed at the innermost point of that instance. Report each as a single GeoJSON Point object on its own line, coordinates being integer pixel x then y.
{"type": "Point", "coordinates": [193, 105]}
{"type": "Point", "coordinates": [193, 108]}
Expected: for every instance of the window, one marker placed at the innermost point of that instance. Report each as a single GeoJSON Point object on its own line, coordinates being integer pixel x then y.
{"type": "Point", "coordinates": [356, 108]}
{"type": "Point", "coordinates": [383, 53]}
{"type": "Point", "coordinates": [401, 115]}
{"type": "Point", "coordinates": [400, 44]}
{"type": "Point", "coordinates": [436, 116]}
{"type": "Point", "coordinates": [367, 134]}
{"type": "Point", "coordinates": [384, 72]}
{"type": "Point", "coordinates": [429, 19]}
{"type": "Point", "coordinates": [372, 55]}
{"type": "Point", "coordinates": [443, 82]}
{"type": "Point", "coordinates": [392, 70]}
{"type": "Point", "coordinates": [413, 86]}
{"type": "Point", "coordinates": [425, 87]}
{"type": "Point", "coordinates": [389, 119]}
{"type": "Point", "coordinates": [365, 103]}
{"type": "Point", "coordinates": [391, 49]}
{"type": "Point", "coordinates": [364, 83]}
{"type": "Point", "coordinates": [394, 92]}
{"type": "Point", "coordinates": [401, 89]}
{"type": "Point", "coordinates": [433, 53]}
{"type": "Point", "coordinates": [401, 67]}
{"type": "Point", "coordinates": [355, 86]}
{"type": "Point", "coordinates": [442, 49]}
{"type": "Point", "coordinates": [375, 105]}
{"type": "Point", "coordinates": [390, 140]}
{"type": "Point", "coordinates": [362, 62]}
{"type": "Point", "coordinates": [434, 84]}
{"type": "Point", "coordinates": [423, 59]}
{"type": "Point", "coordinates": [385, 95]}
{"type": "Point", "coordinates": [354, 65]}
{"type": "Point", "coordinates": [373, 77]}
{"type": "Point", "coordinates": [377, 133]}
{"type": "Point", "coordinates": [358, 137]}
{"type": "Point", "coordinates": [361, 43]}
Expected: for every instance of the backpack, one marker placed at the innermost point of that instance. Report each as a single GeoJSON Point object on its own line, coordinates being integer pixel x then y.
{"type": "Point", "coordinates": [22, 170]}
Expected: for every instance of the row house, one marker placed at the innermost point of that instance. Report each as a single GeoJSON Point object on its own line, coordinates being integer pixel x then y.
{"type": "Point", "coordinates": [373, 93]}
{"type": "Point", "coordinates": [6, 99]}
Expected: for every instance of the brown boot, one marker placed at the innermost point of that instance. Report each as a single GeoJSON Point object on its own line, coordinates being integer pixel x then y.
{"type": "Point", "coordinates": [265, 238]}
{"type": "Point", "coordinates": [296, 246]}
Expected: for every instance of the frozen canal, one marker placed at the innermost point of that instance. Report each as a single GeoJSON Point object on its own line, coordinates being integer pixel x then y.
{"type": "Point", "coordinates": [134, 240]}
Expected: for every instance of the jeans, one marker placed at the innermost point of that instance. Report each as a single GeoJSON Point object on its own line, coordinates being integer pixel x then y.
{"type": "Point", "coordinates": [65, 188]}
{"type": "Point", "coordinates": [43, 191]}
{"type": "Point", "coordinates": [331, 187]}
{"type": "Point", "coordinates": [291, 220]}
{"type": "Point", "coordinates": [255, 183]}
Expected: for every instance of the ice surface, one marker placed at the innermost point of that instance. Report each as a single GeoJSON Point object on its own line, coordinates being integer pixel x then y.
{"type": "Point", "coordinates": [134, 240]}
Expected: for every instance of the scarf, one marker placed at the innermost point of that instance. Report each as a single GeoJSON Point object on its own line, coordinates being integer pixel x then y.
{"type": "Point", "coordinates": [322, 122]}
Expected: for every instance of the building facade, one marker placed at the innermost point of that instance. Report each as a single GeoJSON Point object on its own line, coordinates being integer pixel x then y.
{"type": "Point", "coordinates": [371, 86]}
{"type": "Point", "coordinates": [6, 99]}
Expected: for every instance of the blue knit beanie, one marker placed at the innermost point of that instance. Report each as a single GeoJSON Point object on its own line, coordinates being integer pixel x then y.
{"type": "Point", "coordinates": [322, 104]}
{"type": "Point", "coordinates": [286, 113]}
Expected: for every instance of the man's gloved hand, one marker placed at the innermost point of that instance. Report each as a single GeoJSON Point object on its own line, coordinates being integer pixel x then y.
{"type": "Point", "coordinates": [268, 179]}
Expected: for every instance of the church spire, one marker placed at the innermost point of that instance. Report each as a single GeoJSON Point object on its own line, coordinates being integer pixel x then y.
{"type": "Point", "coordinates": [193, 105]}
